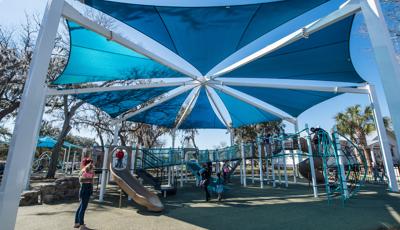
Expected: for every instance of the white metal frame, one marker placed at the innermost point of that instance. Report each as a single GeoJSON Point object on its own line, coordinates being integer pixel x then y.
{"type": "Point", "coordinates": [219, 106]}
{"type": "Point", "coordinates": [190, 102]}
{"type": "Point", "coordinates": [148, 85]}
{"type": "Point", "coordinates": [28, 120]}
{"type": "Point", "coordinates": [35, 90]}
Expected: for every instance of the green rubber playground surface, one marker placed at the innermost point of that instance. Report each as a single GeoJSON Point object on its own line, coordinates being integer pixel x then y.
{"type": "Point", "coordinates": [243, 208]}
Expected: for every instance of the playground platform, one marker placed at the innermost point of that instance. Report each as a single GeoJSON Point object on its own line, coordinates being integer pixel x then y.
{"type": "Point", "coordinates": [247, 208]}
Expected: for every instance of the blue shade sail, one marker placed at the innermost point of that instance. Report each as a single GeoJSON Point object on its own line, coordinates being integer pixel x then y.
{"type": "Point", "coordinates": [94, 58]}
{"type": "Point", "coordinates": [324, 56]}
{"type": "Point", "coordinates": [116, 102]}
{"type": "Point", "coordinates": [164, 114]}
{"type": "Point", "coordinates": [202, 115]}
{"type": "Point", "coordinates": [49, 142]}
{"type": "Point", "coordinates": [244, 114]}
{"type": "Point", "coordinates": [293, 102]}
{"type": "Point", "coordinates": [204, 36]}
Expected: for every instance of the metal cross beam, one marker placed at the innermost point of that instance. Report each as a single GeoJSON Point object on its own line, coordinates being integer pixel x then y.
{"type": "Point", "coordinates": [181, 82]}
{"type": "Point", "coordinates": [159, 100]}
{"type": "Point", "coordinates": [217, 103]}
{"type": "Point", "coordinates": [255, 102]}
{"type": "Point", "coordinates": [266, 83]}
{"type": "Point", "coordinates": [185, 111]}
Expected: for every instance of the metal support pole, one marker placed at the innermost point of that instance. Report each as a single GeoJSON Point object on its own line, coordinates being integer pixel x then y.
{"type": "Point", "coordinates": [27, 124]}
{"type": "Point", "coordinates": [293, 166]}
{"type": "Point", "coordinates": [133, 161]}
{"type": "Point", "coordinates": [104, 174]}
{"type": "Point", "coordinates": [389, 70]}
{"type": "Point", "coordinates": [266, 162]}
{"type": "Point", "coordinates": [373, 156]}
{"type": "Point", "coordinates": [171, 168]}
{"type": "Point", "coordinates": [260, 163]}
{"type": "Point", "coordinates": [63, 163]}
{"type": "Point", "coordinates": [243, 165]}
{"type": "Point", "coordinates": [181, 167]}
{"type": "Point", "coordinates": [284, 162]}
{"type": "Point", "coordinates": [383, 139]}
{"type": "Point", "coordinates": [300, 152]}
{"type": "Point", "coordinates": [252, 163]}
{"type": "Point", "coordinates": [341, 162]}
{"type": "Point", "coordinates": [186, 171]}
{"type": "Point", "coordinates": [68, 155]}
{"type": "Point", "coordinates": [311, 158]}
{"type": "Point", "coordinates": [273, 170]}
{"type": "Point", "coordinates": [73, 162]}
{"type": "Point", "coordinates": [279, 163]}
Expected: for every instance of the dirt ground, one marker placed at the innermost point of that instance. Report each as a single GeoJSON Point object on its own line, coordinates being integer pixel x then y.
{"type": "Point", "coordinates": [243, 208]}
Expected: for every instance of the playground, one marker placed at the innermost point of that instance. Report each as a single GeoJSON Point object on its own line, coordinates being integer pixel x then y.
{"type": "Point", "coordinates": [247, 208]}
{"type": "Point", "coordinates": [139, 72]}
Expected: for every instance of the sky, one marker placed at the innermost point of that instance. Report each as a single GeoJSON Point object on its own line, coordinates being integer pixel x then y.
{"type": "Point", "coordinates": [12, 14]}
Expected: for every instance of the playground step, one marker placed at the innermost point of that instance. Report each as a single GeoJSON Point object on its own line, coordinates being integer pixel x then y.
{"type": "Point", "coordinates": [149, 179]}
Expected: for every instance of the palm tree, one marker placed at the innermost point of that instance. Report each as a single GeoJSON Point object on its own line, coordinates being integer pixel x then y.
{"type": "Point", "coordinates": [357, 123]}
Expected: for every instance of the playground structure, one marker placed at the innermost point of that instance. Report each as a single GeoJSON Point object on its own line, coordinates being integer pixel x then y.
{"type": "Point", "coordinates": [42, 159]}
{"type": "Point", "coordinates": [330, 161]}
{"type": "Point", "coordinates": [210, 98]}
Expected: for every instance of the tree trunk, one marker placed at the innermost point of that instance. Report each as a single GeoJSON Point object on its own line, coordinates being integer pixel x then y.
{"type": "Point", "coordinates": [367, 152]}
{"type": "Point", "coordinates": [55, 153]}
{"type": "Point", "coordinates": [8, 110]}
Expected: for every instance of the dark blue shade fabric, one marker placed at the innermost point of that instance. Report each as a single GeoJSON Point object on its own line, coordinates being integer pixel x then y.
{"type": "Point", "coordinates": [294, 102]}
{"type": "Point", "coordinates": [164, 114]}
{"type": "Point", "coordinates": [202, 115]}
{"type": "Point", "coordinates": [324, 56]}
{"type": "Point", "coordinates": [93, 58]}
{"type": "Point", "coordinates": [116, 102]}
{"type": "Point", "coordinates": [204, 36]}
{"type": "Point", "coordinates": [244, 114]}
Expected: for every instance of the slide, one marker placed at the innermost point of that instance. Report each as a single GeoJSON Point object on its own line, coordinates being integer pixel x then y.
{"type": "Point", "coordinates": [134, 189]}
{"type": "Point", "coordinates": [305, 170]}
{"type": "Point", "coordinates": [237, 163]}
{"type": "Point", "coordinates": [194, 168]}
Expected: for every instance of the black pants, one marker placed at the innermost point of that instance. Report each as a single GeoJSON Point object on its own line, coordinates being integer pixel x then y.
{"type": "Point", "coordinates": [84, 195]}
{"type": "Point", "coordinates": [206, 190]}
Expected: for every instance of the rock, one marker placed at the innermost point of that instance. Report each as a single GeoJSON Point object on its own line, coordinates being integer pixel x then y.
{"type": "Point", "coordinates": [48, 188]}
{"type": "Point", "coordinates": [29, 198]}
{"type": "Point", "coordinates": [51, 191]}
{"type": "Point", "coordinates": [48, 199]}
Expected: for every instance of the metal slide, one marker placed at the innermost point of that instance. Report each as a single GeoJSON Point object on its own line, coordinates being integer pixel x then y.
{"type": "Point", "coordinates": [132, 186]}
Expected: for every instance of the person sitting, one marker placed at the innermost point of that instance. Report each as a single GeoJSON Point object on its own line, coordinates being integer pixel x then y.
{"type": "Point", "coordinates": [120, 156]}
{"type": "Point", "coordinates": [86, 176]}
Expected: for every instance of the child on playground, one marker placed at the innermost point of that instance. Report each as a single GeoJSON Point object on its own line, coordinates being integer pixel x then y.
{"type": "Point", "coordinates": [225, 171]}
{"type": "Point", "coordinates": [120, 155]}
{"type": "Point", "coordinates": [86, 179]}
{"type": "Point", "coordinates": [205, 180]}
{"type": "Point", "coordinates": [219, 187]}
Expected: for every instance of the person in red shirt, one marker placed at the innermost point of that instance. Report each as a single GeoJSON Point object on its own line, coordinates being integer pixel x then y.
{"type": "Point", "coordinates": [120, 155]}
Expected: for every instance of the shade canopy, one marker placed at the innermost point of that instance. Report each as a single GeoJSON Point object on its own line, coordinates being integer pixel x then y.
{"type": "Point", "coordinates": [207, 36]}
{"type": "Point", "coordinates": [49, 142]}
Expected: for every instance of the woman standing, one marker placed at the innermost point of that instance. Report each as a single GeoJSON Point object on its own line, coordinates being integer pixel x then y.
{"type": "Point", "coordinates": [206, 175]}
{"type": "Point", "coordinates": [86, 179]}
